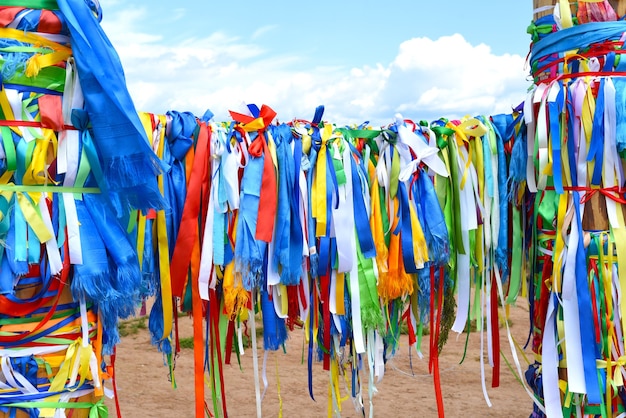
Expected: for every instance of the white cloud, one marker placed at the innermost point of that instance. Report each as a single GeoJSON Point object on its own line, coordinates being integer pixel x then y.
{"type": "Point", "coordinates": [428, 79]}
{"type": "Point", "coordinates": [263, 30]}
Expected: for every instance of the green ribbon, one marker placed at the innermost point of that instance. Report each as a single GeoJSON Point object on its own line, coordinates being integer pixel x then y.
{"type": "Point", "coordinates": [367, 134]}
{"type": "Point", "coordinates": [441, 135]}
{"type": "Point", "coordinates": [535, 30]}
{"type": "Point", "coordinates": [37, 319]}
{"type": "Point", "coordinates": [96, 410]}
{"type": "Point", "coordinates": [395, 173]}
{"type": "Point", "coordinates": [47, 188]}
{"type": "Point", "coordinates": [453, 155]}
{"type": "Point", "coordinates": [340, 174]}
{"type": "Point", "coordinates": [32, 4]}
{"type": "Point", "coordinates": [548, 206]}
{"type": "Point", "coordinates": [9, 148]}
{"type": "Point", "coordinates": [516, 258]}
{"type": "Point", "coordinates": [49, 78]}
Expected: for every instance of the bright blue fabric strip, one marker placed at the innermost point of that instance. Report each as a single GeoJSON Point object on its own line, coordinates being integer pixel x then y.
{"type": "Point", "coordinates": [407, 232]}
{"type": "Point", "coordinates": [274, 330]}
{"type": "Point", "coordinates": [249, 252]}
{"type": "Point", "coordinates": [130, 164]}
{"type": "Point", "coordinates": [577, 37]}
{"type": "Point", "coordinates": [587, 333]}
{"type": "Point", "coordinates": [324, 255]}
{"type": "Point", "coordinates": [554, 111]}
{"type": "Point", "coordinates": [432, 220]}
{"type": "Point", "coordinates": [361, 220]}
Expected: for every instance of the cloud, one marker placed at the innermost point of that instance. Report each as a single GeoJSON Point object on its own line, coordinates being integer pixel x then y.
{"type": "Point", "coordinates": [428, 79]}
{"type": "Point", "coordinates": [263, 30]}
{"type": "Point", "coordinates": [450, 77]}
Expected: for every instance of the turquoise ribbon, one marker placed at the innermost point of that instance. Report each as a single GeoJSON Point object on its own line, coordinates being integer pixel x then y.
{"type": "Point", "coordinates": [249, 252]}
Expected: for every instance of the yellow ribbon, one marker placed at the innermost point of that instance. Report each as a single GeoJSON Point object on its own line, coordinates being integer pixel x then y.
{"type": "Point", "coordinates": [39, 61]}
{"type": "Point", "coordinates": [566, 14]}
{"type": "Point", "coordinates": [340, 293]}
{"type": "Point", "coordinates": [33, 218]}
{"type": "Point", "coordinates": [619, 237]}
{"type": "Point", "coordinates": [319, 187]}
{"type": "Point", "coordinates": [560, 242]}
{"type": "Point", "coordinates": [420, 248]}
{"type": "Point", "coordinates": [75, 352]}
{"type": "Point", "coordinates": [616, 377]}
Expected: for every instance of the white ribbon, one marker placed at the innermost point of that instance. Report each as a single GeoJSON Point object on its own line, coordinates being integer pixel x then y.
{"type": "Point", "coordinates": [534, 97]}
{"type": "Point", "coordinates": [571, 317]}
{"type": "Point", "coordinates": [344, 220]}
{"type": "Point", "coordinates": [468, 222]}
{"type": "Point", "coordinates": [550, 364]}
{"type": "Point", "coordinates": [423, 151]}
{"type": "Point", "coordinates": [14, 379]}
{"type": "Point", "coordinates": [579, 91]}
{"type": "Point", "coordinates": [52, 248]}
{"type": "Point", "coordinates": [72, 225]}
{"type": "Point", "coordinates": [15, 101]}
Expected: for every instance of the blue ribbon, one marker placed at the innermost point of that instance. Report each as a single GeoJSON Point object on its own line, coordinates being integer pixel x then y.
{"type": "Point", "coordinates": [274, 329]}
{"type": "Point", "coordinates": [249, 251]}
{"type": "Point", "coordinates": [130, 165]}
{"type": "Point", "coordinates": [91, 279]}
{"type": "Point", "coordinates": [361, 220]}
{"type": "Point", "coordinates": [16, 242]}
{"type": "Point", "coordinates": [587, 334]}
{"type": "Point", "coordinates": [181, 127]}
{"type": "Point", "coordinates": [433, 222]}
{"type": "Point", "coordinates": [577, 37]}
{"type": "Point", "coordinates": [499, 124]}
{"type": "Point", "coordinates": [405, 230]}
{"type": "Point", "coordinates": [314, 257]}
{"type": "Point", "coordinates": [287, 255]}
{"type": "Point", "coordinates": [555, 110]}
{"type": "Point", "coordinates": [596, 147]}
{"type": "Point", "coordinates": [125, 277]}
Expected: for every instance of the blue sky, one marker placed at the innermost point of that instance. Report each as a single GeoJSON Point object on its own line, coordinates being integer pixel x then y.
{"type": "Point", "coordinates": [364, 60]}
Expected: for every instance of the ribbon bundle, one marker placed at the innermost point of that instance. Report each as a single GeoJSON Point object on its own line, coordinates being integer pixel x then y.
{"type": "Point", "coordinates": [346, 232]}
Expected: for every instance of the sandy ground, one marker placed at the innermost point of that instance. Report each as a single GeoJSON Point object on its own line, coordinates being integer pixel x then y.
{"type": "Point", "coordinates": [144, 389]}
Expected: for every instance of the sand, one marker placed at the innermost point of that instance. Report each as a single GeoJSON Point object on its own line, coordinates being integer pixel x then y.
{"type": "Point", "coordinates": [144, 389]}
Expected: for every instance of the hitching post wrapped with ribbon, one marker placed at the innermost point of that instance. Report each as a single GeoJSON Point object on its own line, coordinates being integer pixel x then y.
{"type": "Point", "coordinates": [69, 133]}
{"type": "Point", "coordinates": [574, 118]}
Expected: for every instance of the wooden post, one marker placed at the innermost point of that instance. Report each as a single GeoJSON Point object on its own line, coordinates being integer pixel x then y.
{"type": "Point", "coordinates": [541, 3]}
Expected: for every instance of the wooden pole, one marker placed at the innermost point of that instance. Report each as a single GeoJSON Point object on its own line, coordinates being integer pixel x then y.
{"type": "Point", "coordinates": [541, 3]}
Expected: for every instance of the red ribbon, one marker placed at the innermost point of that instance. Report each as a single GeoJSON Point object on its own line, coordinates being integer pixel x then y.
{"type": "Point", "coordinates": [495, 334]}
{"type": "Point", "coordinates": [258, 147]}
{"type": "Point", "coordinates": [188, 230]}
{"type": "Point", "coordinates": [615, 193]}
